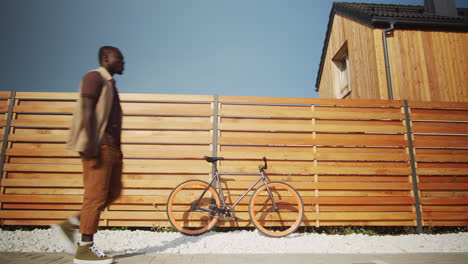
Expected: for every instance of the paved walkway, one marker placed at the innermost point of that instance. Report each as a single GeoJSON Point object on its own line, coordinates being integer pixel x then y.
{"type": "Point", "coordinates": [409, 258]}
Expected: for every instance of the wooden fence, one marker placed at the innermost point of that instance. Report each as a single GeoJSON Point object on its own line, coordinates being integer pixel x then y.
{"type": "Point", "coordinates": [355, 162]}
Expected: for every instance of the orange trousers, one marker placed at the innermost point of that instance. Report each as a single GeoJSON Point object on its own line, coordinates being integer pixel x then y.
{"type": "Point", "coordinates": [102, 180]}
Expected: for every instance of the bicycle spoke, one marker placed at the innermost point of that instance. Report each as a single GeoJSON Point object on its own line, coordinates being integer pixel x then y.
{"type": "Point", "coordinates": [189, 211]}
{"type": "Point", "coordinates": [280, 221]}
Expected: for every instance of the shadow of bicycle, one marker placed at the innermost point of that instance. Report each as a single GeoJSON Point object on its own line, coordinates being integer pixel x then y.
{"type": "Point", "coordinates": [178, 242]}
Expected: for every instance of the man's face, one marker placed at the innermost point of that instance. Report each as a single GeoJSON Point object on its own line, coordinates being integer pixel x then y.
{"type": "Point", "coordinates": [115, 62]}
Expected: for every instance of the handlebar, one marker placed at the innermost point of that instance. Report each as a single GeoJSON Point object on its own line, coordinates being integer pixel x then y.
{"type": "Point", "coordinates": [264, 167]}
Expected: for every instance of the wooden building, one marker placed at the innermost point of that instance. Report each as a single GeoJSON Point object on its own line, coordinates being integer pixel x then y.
{"type": "Point", "coordinates": [396, 52]}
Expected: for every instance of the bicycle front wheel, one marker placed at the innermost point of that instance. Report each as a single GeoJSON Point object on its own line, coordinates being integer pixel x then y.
{"type": "Point", "coordinates": [282, 220]}
{"type": "Point", "coordinates": [191, 207]}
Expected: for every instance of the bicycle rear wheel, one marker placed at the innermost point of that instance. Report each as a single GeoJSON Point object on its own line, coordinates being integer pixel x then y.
{"type": "Point", "coordinates": [283, 220]}
{"type": "Point", "coordinates": [188, 216]}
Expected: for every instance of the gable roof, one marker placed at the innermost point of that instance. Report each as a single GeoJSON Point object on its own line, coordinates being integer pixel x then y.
{"type": "Point", "coordinates": [404, 16]}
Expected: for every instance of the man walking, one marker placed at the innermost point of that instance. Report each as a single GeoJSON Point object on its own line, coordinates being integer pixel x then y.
{"type": "Point", "coordinates": [96, 134]}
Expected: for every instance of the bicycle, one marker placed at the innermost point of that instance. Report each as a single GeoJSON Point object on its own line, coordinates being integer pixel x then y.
{"type": "Point", "coordinates": [195, 206]}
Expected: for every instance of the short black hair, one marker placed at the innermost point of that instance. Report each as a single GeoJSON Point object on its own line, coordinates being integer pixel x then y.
{"type": "Point", "coordinates": [104, 50]}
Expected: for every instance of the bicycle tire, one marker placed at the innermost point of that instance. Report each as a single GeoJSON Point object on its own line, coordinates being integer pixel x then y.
{"type": "Point", "coordinates": [278, 223]}
{"type": "Point", "coordinates": [179, 207]}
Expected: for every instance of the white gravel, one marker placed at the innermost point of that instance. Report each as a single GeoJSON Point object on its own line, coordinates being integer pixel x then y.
{"type": "Point", "coordinates": [237, 242]}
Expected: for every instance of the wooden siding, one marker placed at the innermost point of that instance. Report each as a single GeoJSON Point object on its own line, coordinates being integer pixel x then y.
{"type": "Point", "coordinates": [364, 68]}
{"type": "Point", "coordinates": [425, 65]}
{"type": "Point", "coordinates": [349, 159]}
{"type": "Point", "coordinates": [429, 66]}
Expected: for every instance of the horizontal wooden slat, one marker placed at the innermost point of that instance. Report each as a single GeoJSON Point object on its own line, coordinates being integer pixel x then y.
{"type": "Point", "coordinates": [440, 105]}
{"type": "Point", "coordinates": [309, 128]}
{"type": "Point", "coordinates": [313, 101]}
{"type": "Point", "coordinates": [165, 97]}
{"type": "Point", "coordinates": [444, 200]}
{"type": "Point", "coordinates": [445, 216]}
{"type": "Point", "coordinates": [123, 97]}
{"type": "Point", "coordinates": [160, 109]}
{"type": "Point", "coordinates": [175, 137]}
{"type": "Point", "coordinates": [441, 157]}
{"type": "Point", "coordinates": [4, 94]}
{"type": "Point", "coordinates": [442, 171]}
{"type": "Point", "coordinates": [314, 170]}
{"type": "Point", "coordinates": [281, 113]}
{"type": "Point", "coordinates": [127, 168]}
{"type": "Point", "coordinates": [46, 96]}
{"type": "Point", "coordinates": [440, 117]}
{"type": "Point", "coordinates": [440, 128]}
{"type": "Point", "coordinates": [443, 186]}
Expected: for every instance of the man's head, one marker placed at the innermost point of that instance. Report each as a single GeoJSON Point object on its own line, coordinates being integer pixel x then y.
{"type": "Point", "coordinates": [112, 59]}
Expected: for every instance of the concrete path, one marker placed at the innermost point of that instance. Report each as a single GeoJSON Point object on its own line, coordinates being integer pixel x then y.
{"type": "Point", "coordinates": [409, 258]}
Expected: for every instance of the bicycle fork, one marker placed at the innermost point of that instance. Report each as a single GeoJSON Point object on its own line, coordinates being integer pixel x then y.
{"type": "Point", "coordinates": [275, 207]}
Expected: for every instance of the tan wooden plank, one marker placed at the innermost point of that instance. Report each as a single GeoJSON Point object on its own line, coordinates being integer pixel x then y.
{"type": "Point", "coordinates": [360, 140]}
{"type": "Point", "coordinates": [358, 116]}
{"type": "Point", "coordinates": [307, 113]}
{"type": "Point", "coordinates": [35, 214]}
{"type": "Point", "coordinates": [165, 97]}
{"type": "Point", "coordinates": [444, 201]}
{"type": "Point", "coordinates": [443, 186]}
{"type": "Point", "coordinates": [166, 109]}
{"type": "Point", "coordinates": [64, 206]}
{"type": "Point", "coordinates": [79, 183]}
{"type": "Point", "coordinates": [269, 155]}
{"type": "Point", "coordinates": [127, 168]}
{"type": "Point", "coordinates": [5, 94]}
{"type": "Point", "coordinates": [128, 108]}
{"type": "Point", "coordinates": [367, 223]}
{"type": "Point", "coordinates": [437, 105]}
{"type": "Point", "coordinates": [46, 96]}
{"type": "Point", "coordinates": [265, 141]}
{"type": "Point", "coordinates": [309, 128]}
{"type": "Point", "coordinates": [440, 128]}
{"type": "Point", "coordinates": [319, 170]}
{"type": "Point", "coordinates": [443, 193]}
{"type": "Point", "coordinates": [266, 127]}
{"type": "Point", "coordinates": [380, 208]}
{"type": "Point", "coordinates": [443, 208]}
{"type": "Point", "coordinates": [445, 223]}
{"type": "Point", "coordinates": [312, 101]}
{"type": "Point", "coordinates": [76, 199]}
{"type": "Point", "coordinates": [442, 171]}
{"type": "Point", "coordinates": [445, 216]}
{"type": "Point", "coordinates": [439, 117]}
{"type": "Point", "coordinates": [6, 198]}
{"type": "Point", "coordinates": [41, 183]}
{"type": "Point", "coordinates": [36, 152]}
{"type": "Point", "coordinates": [370, 216]}
{"type": "Point", "coordinates": [441, 157]}
{"type": "Point", "coordinates": [175, 137]}
{"type": "Point", "coordinates": [304, 139]}
{"type": "Point", "coordinates": [45, 107]}
{"type": "Point", "coordinates": [311, 156]}
{"type": "Point", "coordinates": [440, 143]}
{"type": "Point", "coordinates": [364, 200]}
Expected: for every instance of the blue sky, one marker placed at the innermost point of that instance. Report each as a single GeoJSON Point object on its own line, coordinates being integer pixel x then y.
{"type": "Point", "coordinates": [236, 47]}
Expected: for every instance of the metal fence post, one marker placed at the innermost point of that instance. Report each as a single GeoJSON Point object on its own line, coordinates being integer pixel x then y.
{"type": "Point", "coordinates": [6, 131]}
{"type": "Point", "coordinates": [214, 149]}
{"type": "Point", "coordinates": [413, 167]}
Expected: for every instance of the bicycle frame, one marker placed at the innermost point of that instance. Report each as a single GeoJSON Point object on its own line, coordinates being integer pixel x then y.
{"type": "Point", "coordinates": [217, 179]}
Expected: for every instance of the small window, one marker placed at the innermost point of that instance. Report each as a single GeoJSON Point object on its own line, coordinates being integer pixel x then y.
{"type": "Point", "coordinates": [342, 76]}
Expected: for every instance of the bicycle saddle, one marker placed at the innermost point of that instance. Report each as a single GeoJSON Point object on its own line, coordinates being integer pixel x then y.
{"type": "Point", "coordinates": [213, 159]}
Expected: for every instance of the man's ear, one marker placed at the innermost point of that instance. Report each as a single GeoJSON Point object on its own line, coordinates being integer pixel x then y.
{"type": "Point", "coordinates": [105, 58]}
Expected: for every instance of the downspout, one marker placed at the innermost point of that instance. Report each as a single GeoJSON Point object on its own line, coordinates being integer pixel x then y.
{"type": "Point", "coordinates": [387, 61]}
